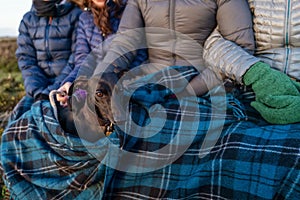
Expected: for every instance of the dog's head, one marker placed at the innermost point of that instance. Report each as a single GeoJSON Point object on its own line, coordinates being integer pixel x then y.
{"type": "Point", "coordinates": [91, 98]}
{"type": "Point", "coordinates": [102, 86]}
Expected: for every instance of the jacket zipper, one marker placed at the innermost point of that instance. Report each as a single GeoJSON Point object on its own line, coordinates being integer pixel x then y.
{"type": "Point", "coordinates": [287, 36]}
{"type": "Point", "coordinates": [172, 28]}
{"type": "Point", "coordinates": [47, 37]}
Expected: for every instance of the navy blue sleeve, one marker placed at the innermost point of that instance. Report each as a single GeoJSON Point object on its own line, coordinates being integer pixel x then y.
{"type": "Point", "coordinates": [35, 80]}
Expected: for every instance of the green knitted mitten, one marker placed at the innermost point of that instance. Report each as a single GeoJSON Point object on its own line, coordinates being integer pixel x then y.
{"type": "Point", "coordinates": [276, 94]}
{"type": "Point", "coordinates": [266, 81]}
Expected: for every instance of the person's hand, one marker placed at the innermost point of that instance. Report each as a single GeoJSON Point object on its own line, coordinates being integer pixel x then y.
{"type": "Point", "coordinates": [277, 96]}
{"type": "Point", "coordinates": [62, 97]}
{"type": "Point", "coordinates": [287, 111]}
{"type": "Point", "coordinates": [266, 82]}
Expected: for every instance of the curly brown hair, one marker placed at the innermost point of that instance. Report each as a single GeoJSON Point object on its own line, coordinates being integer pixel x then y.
{"type": "Point", "coordinates": [102, 15]}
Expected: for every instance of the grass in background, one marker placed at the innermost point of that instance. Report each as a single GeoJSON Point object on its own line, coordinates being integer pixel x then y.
{"type": "Point", "coordinates": [11, 91]}
{"type": "Point", "coordinates": [11, 83]}
{"type": "Point", "coordinates": [11, 88]}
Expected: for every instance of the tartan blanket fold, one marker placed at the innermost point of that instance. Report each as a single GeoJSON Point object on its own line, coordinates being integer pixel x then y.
{"type": "Point", "coordinates": [172, 146]}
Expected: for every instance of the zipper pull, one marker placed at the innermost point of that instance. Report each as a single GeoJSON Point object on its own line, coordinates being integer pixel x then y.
{"type": "Point", "coordinates": [50, 20]}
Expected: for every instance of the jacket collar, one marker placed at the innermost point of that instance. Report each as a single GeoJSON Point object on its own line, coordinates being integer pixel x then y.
{"type": "Point", "coordinates": [63, 8]}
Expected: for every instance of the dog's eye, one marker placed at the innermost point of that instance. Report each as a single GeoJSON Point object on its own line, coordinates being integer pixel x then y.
{"type": "Point", "coordinates": [99, 93]}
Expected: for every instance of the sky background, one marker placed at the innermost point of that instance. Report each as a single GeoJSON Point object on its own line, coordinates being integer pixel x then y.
{"type": "Point", "coordinates": [11, 13]}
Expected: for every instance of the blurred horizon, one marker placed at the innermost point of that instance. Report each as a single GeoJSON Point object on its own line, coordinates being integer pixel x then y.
{"type": "Point", "coordinates": [8, 32]}
{"type": "Point", "coordinates": [11, 13]}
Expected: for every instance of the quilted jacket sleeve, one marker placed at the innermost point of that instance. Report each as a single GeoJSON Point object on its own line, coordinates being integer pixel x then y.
{"type": "Point", "coordinates": [82, 49]}
{"type": "Point", "coordinates": [226, 57]}
{"type": "Point", "coordinates": [228, 50]}
{"type": "Point", "coordinates": [35, 80]}
{"type": "Point", "coordinates": [59, 80]}
{"type": "Point", "coordinates": [69, 72]}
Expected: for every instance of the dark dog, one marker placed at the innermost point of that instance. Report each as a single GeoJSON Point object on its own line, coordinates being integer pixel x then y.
{"type": "Point", "coordinates": [90, 107]}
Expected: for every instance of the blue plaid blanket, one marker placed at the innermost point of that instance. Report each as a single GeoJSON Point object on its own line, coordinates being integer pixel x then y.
{"type": "Point", "coordinates": [171, 147]}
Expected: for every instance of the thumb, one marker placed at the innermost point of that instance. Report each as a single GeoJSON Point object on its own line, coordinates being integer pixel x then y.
{"type": "Point", "coordinates": [279, 101]}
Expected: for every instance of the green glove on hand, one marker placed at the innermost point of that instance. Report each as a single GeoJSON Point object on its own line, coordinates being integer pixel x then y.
{"type": "Point", "coordinates": [289, 111]}
{"type": "Point", "coordinates": [275, 93]}
{"type": "Point", "coordinates": [266, 81]}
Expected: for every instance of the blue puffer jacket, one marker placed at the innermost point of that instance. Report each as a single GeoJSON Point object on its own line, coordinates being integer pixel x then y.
{"type": "Point", "coordinates": [90, 46]}
{"type": "Point", "coordinates": [45, 47]}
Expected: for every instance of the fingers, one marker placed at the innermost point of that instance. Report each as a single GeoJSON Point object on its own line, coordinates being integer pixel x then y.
{"type": "Point", "coordinates": [279, 101]}
{"type": "Point", "coordinates": [62, 98]}
{"type": "Point", "coordinates": [65, 88]}
{"type": "Point", "coordinates": [65, 104]}
{"type": "Point", "coordinates": [285, 115]}
{"type": "Point", "coordinates": [61, 95]}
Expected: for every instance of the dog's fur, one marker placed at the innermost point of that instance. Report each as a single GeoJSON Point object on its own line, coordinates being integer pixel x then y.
{"type": "Point", "coordinates": [97, 104]}
{"type": "Point", "coordinates": [102, 96]}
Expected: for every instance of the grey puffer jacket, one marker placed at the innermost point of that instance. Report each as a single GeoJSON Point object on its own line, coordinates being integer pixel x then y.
{"type": "Point", "coordinates": [45, 47]}
{"type": "Point", "coordinates": [177, 29]}
{"type": "Point", "coordinates": [276, 27]}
